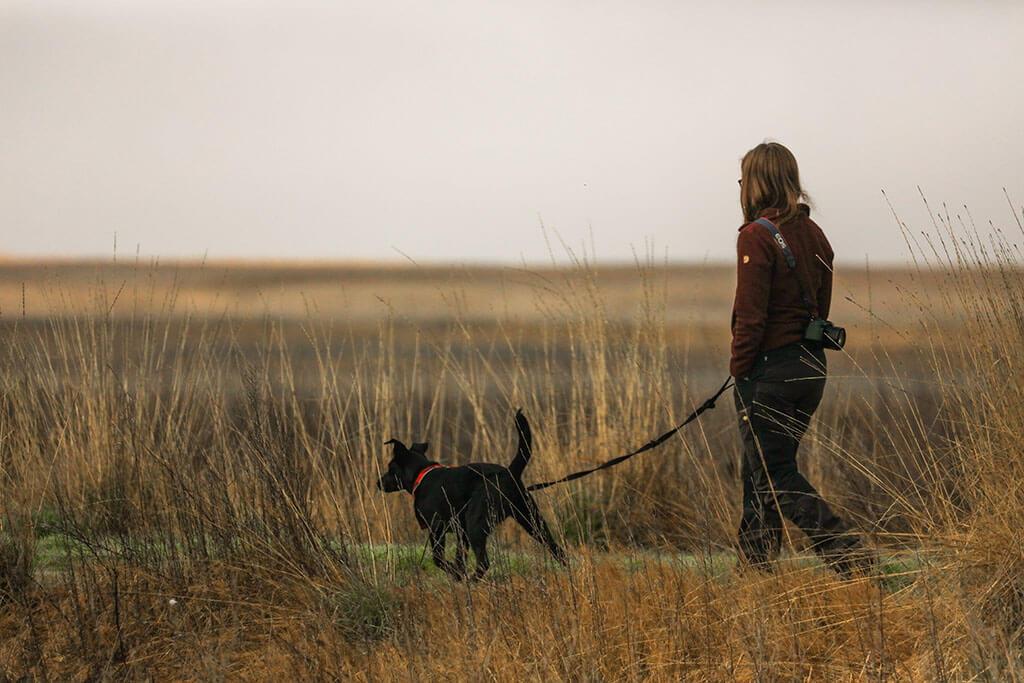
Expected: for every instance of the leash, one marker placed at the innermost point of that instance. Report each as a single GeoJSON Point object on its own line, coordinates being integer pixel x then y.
{"type": "Point", "coordinates": [653, 443]}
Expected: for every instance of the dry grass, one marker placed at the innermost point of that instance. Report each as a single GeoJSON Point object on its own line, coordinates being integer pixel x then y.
{"type": "Point", "coordinates": [187, 455]}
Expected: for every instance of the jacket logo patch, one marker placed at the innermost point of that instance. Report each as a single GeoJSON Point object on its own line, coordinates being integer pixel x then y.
{"type": "Point", "coordinates": [746, 259]}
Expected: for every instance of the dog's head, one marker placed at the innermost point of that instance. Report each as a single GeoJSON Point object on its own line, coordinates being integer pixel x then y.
{"type": "Point", "coordinates": [405, 464]}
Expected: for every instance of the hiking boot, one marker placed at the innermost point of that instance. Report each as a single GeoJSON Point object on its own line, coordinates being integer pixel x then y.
{"type": "Point", "coordinates": [847, 556]}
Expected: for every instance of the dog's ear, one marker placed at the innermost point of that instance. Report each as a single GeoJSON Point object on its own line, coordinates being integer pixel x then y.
{"type": "Point", "coordinates": [420, 448]}
{"type": "Point", "coordinates": [397, 446]}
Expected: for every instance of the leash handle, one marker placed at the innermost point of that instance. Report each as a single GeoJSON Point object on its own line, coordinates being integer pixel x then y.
{"type": "Point", "coordinates": [653, 443]}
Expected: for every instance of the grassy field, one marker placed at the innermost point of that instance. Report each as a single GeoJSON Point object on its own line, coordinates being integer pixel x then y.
{"type": "Point", "coordinates": [188, 452]}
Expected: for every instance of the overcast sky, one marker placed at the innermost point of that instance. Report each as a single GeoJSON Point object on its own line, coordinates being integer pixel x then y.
{"type": "Point", "coordinates": [448, 131]}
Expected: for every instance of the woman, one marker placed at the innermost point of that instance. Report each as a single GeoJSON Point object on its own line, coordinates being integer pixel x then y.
{"type": "Point", "coordinates": [780, 377]}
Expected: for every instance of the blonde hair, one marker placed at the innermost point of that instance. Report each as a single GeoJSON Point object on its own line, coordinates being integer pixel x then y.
{"type": "Point", "coordinates": [770, 178]}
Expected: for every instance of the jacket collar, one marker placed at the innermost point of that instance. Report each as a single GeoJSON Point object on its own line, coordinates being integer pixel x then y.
{"type": "Point", "coordinates": [773, 213]}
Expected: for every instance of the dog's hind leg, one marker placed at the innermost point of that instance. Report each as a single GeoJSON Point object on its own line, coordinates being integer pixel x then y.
{"type": "Point", "coordinates": [527, 514]}
{"type": "Point", "coordinates": [478, 541]}
{"type": "Point", "coordinates": [462, 541]}
{"type": "Point", "coordinates": [477, 524]}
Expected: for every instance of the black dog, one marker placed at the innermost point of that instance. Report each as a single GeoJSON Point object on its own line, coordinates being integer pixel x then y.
{"type": "Point", "coordinates": [470, 500]}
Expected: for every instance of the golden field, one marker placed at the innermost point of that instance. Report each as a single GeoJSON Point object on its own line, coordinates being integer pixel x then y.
{"type": "Point", "coordinates": [188, 453]}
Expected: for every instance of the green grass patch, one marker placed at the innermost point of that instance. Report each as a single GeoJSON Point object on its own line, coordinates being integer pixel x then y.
{"type": "Point", "coordinates": [409, 563]}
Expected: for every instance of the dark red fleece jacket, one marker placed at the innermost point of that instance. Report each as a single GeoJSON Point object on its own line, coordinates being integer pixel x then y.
{"type": "Point", "coordinates": [768, 311]}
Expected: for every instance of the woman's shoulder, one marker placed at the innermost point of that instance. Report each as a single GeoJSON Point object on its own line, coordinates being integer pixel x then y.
{"type": "Point", "coordinates": [819, 235]}
{"type": "Point", "coordinates": [754, 231]}
{"type": "Point", "coordinates": [755, 243]}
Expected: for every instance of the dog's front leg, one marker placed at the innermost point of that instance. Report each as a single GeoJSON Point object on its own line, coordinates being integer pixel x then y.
{"type": "Point", "coordinates": [438, 545]}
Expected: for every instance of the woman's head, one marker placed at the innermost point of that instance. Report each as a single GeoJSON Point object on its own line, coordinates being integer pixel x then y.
{"type": "Point", "coordinates": [770, 179]}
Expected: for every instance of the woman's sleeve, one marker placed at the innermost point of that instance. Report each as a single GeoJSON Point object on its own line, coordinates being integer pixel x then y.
{"type": "Point", "coordinates": [754, 260]}
{"type": "Point", "coordinates": [824, 293]}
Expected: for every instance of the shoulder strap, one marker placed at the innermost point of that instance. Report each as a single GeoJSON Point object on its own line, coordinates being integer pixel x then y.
{"type": "Point", "coordinates": [787, 253]}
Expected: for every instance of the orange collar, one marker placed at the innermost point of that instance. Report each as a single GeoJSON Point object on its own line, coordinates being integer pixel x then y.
{"type": "Point", "coordinates": [423, 473]}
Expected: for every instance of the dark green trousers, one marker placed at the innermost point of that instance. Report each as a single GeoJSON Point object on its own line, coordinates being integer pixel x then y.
{"type": "Point", "coordinates": [775, 404]}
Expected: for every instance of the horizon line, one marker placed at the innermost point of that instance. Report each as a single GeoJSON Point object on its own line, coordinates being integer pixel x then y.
{"type": "Point", "coordinates": [9, 259]}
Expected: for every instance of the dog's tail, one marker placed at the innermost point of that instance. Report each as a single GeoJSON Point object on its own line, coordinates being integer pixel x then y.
{"type": "Point", "coordinates": [525, 450]}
